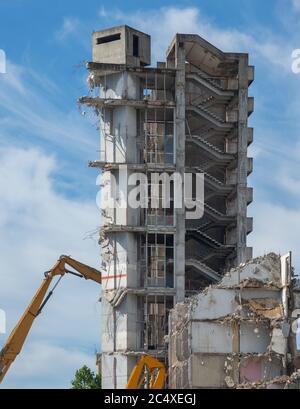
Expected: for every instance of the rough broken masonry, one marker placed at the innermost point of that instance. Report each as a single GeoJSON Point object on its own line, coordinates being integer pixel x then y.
{"type": "Point", "coordinates": [186, 291]}
{"type": "Point", "coordinates": [237, 333]}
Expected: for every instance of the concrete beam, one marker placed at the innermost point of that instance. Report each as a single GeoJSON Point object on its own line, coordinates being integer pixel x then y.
{"type": "Point", "coordinates": [146, 103]}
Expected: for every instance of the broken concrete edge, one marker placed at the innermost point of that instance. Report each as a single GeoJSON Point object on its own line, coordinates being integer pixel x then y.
{"type": "Point", "coordinates": [100, 102]}
{"type": "Point", "coordinates": [285, 379]}
{"type": "Point", "coordinates": [240, 278]}
{"type": "Point", "coordinates": [157, 353]}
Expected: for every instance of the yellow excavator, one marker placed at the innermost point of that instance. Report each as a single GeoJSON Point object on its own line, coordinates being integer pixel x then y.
{"type": "Point", "coordinates": [19, 334]}
{"type": "Point", "coordinates": [148, 372]}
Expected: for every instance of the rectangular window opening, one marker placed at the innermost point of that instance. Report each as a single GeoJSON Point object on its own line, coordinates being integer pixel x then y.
{"type": "Point", "coordinates": [109, 39]}
{"type": "Point", "coordinates": [135, 46]}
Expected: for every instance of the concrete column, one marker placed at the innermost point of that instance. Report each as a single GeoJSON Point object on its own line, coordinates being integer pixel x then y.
{"type": "Point", "coordinates": [119, 250]}
{"type": "Point", "coordinates": [179, 241]}
{"type": "Point", "coordinates": [242, 160]}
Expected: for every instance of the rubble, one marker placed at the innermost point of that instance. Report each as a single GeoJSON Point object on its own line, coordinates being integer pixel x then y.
{"type": "Point", "coordinates": [237, 334]}
{"type": "Point", "coordinates": [284, 380]}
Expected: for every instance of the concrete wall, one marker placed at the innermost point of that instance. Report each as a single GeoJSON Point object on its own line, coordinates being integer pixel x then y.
{"type": "Point", "coordinates": [118, 126]}
{"type": "Point", "coordinates": [112, 51]}
{"type": "Point", "coordinates": [120, 50]}
{"type": "Point", "coordinates": [116, 370]}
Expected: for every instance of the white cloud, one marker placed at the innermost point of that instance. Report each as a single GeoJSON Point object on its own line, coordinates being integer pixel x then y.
{"type": "Point", "coordinates": [43, 361]}
{"type": "Point", "coordinates": [296, 4]}
{"type": "Point", "coordinates": [165, 22]}
{"type": "Point", "coordinates": [36, 226]}
{"type": "Point", "coordinates": [286, 176]}
{"type": "Point", "coordinates": [70, 26]}
{"type": "Point", "coordinates": [34, 111]}
{"type": "Point", "coordinates": [103, 12]}
{"type": "Point", "coordinates": [73, 30]}
{"type": "Point", "coordinates": [276, 229]}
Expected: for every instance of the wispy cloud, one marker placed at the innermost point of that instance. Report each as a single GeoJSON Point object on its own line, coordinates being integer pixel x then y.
{"type": "Point", "coordinates": [276, 229]}
{"type": "Point", "coordinates": [102, 12]}
{"type": "Point", "coordinates": [70, 26]}
{"type": "Point", "coordinates": [37, 225]}
{"type": "Point", "coordinates": [35, 110]}
{"type": "Point", "coordinates": [163, 23]}
{"type": "Point", "coordinates": [296, 4]}
{"type": "Point", "coordinates": [73, 30]}
{"type": "Point", "coordinates": [43, 143]}
{"type": "Point", "coordinates": [45, 365]}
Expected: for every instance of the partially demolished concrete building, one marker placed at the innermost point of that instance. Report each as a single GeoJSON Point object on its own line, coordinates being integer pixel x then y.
{"type": "Point", "coordinates": [240, 333]}
{"type": "Point", "coordinates": [187, 114]}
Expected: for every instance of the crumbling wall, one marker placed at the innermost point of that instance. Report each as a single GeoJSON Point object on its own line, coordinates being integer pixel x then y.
{"type": "Point", "coordinates": [237, 334]}
{"type": "Point", "coordinates": [294, 342]}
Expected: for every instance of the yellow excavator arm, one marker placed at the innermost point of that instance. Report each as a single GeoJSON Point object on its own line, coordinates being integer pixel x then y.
{"type": "Point", "coordinates": [148, 372]}
{"type": "Point", "coordinates": [17, 338]}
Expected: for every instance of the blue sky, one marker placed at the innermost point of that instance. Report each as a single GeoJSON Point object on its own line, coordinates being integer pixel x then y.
{"type": "Point", "coordinates": [47, 206]}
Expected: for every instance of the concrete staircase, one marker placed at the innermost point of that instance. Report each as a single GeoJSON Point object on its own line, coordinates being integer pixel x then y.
{"type": "Point", "coordinates": [209, 116]}
{"type": "Point", "coordinates": [201, 79]}
{"type": "Point", "coordinates": [217, 153]}
{"type": "Point", "coordinates": [216, 215]}
{"type": "Point", "coordinates": [211, 181]}
{"type": "Point", "coordinates": [203, 269]}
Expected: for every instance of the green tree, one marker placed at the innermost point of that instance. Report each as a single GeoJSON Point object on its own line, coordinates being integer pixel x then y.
{"type": "Point", "coordinates": [86, 379]}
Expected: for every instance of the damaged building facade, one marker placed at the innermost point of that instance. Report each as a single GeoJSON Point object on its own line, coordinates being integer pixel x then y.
{"type": "Point", "coordinates": [240, 333]}
{"type": "Point", "coordinates": [189, 114]}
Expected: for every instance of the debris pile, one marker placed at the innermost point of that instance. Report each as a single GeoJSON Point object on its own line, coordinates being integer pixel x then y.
{"type": "Point", "coordinates": [238, 333]}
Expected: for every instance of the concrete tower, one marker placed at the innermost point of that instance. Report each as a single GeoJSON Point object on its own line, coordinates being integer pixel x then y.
{"type": "Point", "coordinates": [189, 114]}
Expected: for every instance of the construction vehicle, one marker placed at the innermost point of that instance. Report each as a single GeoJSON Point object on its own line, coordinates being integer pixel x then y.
{"type": "Point", "coordinates": [148, 370]}
{"type": "Point", "coordinates": [15, 342]}
{"type": "Point", "coordinates": [149, 373]}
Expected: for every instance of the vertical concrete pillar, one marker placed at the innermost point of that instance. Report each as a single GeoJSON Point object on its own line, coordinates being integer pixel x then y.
{"type": "Point", "coordinates": [242, 160]}
{"type": "Point", "coordinates": [180, 168]}
{"type": "Point", "coordinates": [119, 254]}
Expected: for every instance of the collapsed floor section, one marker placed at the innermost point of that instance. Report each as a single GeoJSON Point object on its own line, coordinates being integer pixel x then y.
{"type": "Point", "coordinates": [240, 333]}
